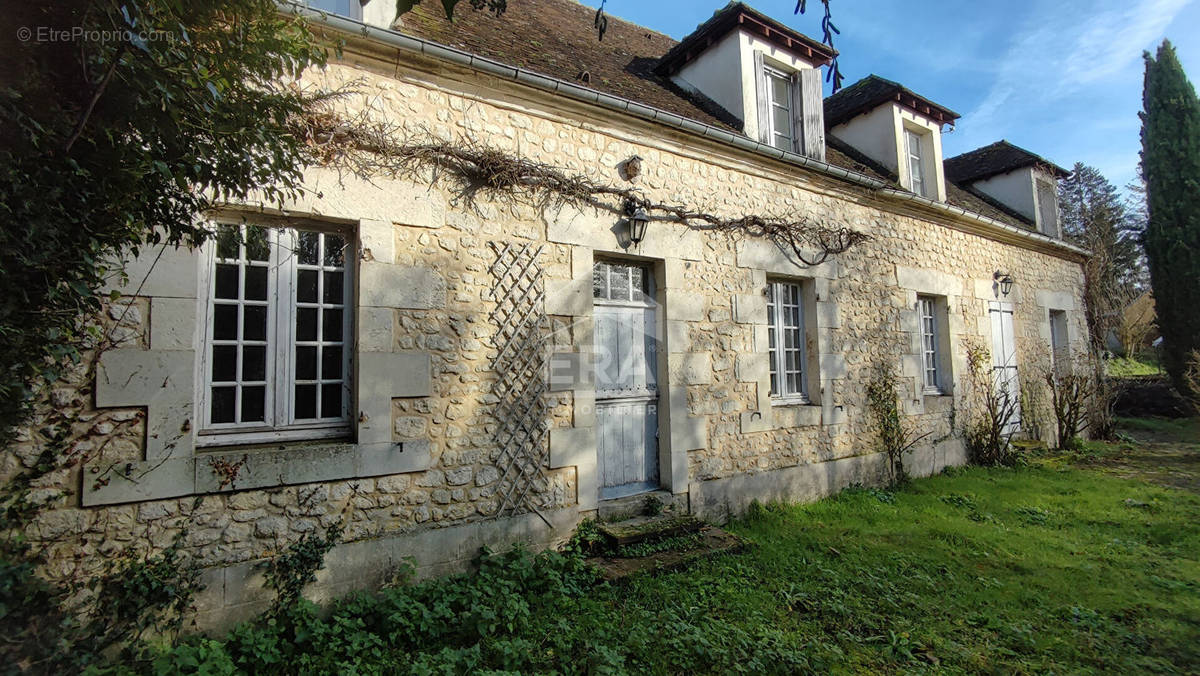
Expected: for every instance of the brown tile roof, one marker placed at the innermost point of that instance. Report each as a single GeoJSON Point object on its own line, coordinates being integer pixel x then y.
{"type": "Point", "coordinates": [735, 15]}
{"type": "Point", "coordinates": [557, 38]}
{"type": "Point", "coordinates": [956, 195]}
{"type": "Point", "coordinates": [873, 90]}
{"type": "Point", "coordinates": [997, 158]}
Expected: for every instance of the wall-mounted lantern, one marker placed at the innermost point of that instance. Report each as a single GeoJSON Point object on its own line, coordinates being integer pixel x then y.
{"type": "Point", "coordinates": [637, 220]}
{"type": "Point", "coordinates": [1004, 280]}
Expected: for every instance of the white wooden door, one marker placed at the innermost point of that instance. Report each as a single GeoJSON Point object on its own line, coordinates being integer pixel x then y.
{"type": "Point", "coordinates": [626, 383]}
{"type": "Point", "coordinates": [1004, 360]}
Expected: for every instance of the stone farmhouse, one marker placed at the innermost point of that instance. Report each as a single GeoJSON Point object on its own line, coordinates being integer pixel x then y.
{"type": "Point", "coordinates": [446, 373]}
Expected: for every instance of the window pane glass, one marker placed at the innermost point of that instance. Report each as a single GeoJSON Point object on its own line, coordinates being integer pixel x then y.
{"type": "Point", "coordinates": [332, 324]}
{"type": "Point", "coordinates": [600, 280]}
{"type": "Point", "coordinates": [331, 362]}
{"type": "Point", "coordinates": [254, 322]}
{"type": "Point", "coordinates": [226, 281]}
{"type": "Point", "coordinates": [224, 363]}
{"type": "Point", "coordinates": [782, 121]}
{"type": "Point", "coordinates": [618, 282]}
{"type": "Point", "coordinates": [225, 322]}
{"type": "Point", "coordinates": [223, 399]}
{"type": "Point", "coordinates": [256, 244]}
{"type": "Point", "coordinates": [254, 406]}
{"type": "Point", "coordinates": [306, 286]}
{"type": "Point", "coordinates": [228, 241]}
{"type": "Point", "coordinates": [306, 363]}
{"type": "Point", "coordinates": [306, 401]}
{"type": "Point", "coordinates": [331, 400]}
{"type": "Point", "coordinates": [306, 247]}
{"type": "Point", "coordinates": [256, 282]}
{"type": "Point", "coordinates": [333, 287]}
{"type": "Point", "coordinates": [254, 362]}
{"type": "Point", "coordinates": [335, 254]}
{"type": "Point", "coordinates": [636, 285]}
{"type": "Point", "coordinates": [780, 90]}
{"type": "Point", "coordinates": [306, 323]}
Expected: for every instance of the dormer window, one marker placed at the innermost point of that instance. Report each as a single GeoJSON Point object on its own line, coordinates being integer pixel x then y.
{"type": "Point", "coordinates": [1047, 207]}
{"type": "Point", "coordinates": [894, 127]}
{"type": "Point", "coordinates": [1015, 180]}
{"type": "Point", "coordinates": [915, 153]}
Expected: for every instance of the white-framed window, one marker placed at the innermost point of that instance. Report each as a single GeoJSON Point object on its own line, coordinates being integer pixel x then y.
{"type": "Point", "coordinates": [779, 86]}
{"type": "Point", "coordinates": [1060, 350]}
{"type": "Point", "coordinates": [915, 152]}
{"type": "Point", "coordinates": [275, 363]}
{"type": "Point", "coordinates": [927, 308]}
{"type": "Point", "coordinates": [351, 9]}
{"type": "Point", "coordinates": [1047, 198]}
{"type": "Point", "coordinates": [785, 339]}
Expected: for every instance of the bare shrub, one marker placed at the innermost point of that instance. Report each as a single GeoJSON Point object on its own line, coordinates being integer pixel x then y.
{"type": "Point", "coordinates": [895, 435]}
{"type": "Point", "coordinates": [989, 410]}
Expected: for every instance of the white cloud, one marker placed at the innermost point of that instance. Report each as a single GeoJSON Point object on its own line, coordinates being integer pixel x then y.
{"type": "Point", "coordinates": [1067, 48]}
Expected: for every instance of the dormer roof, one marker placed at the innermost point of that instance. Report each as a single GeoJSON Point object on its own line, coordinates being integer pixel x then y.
{"type": "Point", "coordinates": [872, 91]}
{"type": "Point", "coordinates": [997, 158]}
{"type": "Point", "coordinates": [737, 15]}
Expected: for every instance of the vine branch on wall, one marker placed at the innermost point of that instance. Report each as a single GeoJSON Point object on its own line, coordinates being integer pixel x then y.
{"type": "Point", "coordinates": [370, 148]}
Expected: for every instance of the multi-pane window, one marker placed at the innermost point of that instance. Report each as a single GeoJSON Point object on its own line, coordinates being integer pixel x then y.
{"type": "Point", "coordinates": [916, 165]}
{"type": "Point", "coordinates": [780, 89]}
{"type": "Point", "coordinates": [1047, 207]}
{"type": "Point", "coordinates": [785, 336]}
{"type": "Point", "coordinates": [347, 8]}
{"type": "Point", "coordinates": [276, 356]}
{"type": "Point", "coordinates": [927, 307]}
{"type": "Point", "coordinates": [1059, 347]}
{"type": "Point", "coordinates": [620, 282]}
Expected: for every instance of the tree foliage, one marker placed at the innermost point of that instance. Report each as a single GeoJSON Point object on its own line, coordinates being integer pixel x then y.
{"type": "Point", "coordinates": [129, 119]}
{"type": "Point", "coordinates": [1171, 166]}
{"type": "Point", "coordinates": [1094, 217]}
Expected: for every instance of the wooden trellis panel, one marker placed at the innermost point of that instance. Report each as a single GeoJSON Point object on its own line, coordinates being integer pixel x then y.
{"type": "Point", "coordinates": [522, 413]}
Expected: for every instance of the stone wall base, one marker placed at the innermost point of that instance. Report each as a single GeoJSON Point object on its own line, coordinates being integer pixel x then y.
{"type": "Point", "coordinates": [236, 593]}
{"type": "Point", "coordinates": [721, 499]}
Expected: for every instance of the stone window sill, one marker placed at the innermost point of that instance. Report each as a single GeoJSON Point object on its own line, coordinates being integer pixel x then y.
{"type": "Point", "coordinates": [227, 470]}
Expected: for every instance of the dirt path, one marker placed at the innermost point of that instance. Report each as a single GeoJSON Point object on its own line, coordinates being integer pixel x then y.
{"type": "Point", "coordinates": [1159, 450]}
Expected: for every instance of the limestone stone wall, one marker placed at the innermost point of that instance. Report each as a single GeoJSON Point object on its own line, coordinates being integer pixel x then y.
{"type": "Point", "coordinates": [424, 458]}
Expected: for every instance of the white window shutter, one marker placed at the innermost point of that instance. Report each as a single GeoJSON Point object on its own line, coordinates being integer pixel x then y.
{"type": "Point", "coordinates": [808, 113]}
{"type": "Point", "coordinates": [764, 99]}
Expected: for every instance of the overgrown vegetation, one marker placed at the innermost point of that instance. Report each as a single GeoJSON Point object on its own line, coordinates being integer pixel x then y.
{"type": "Point", "coordinates": [989, 411]}
{"type": "Point", "coordinates": [1046, 568]}
{"type": "Point", "coordinates": [1171, 166]}
{"type": "Point", "coordinates": [896, 435]}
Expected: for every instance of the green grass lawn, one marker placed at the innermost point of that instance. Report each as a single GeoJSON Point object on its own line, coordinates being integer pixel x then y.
{"type": "Point", "coordinates": [1075, 564]}
{"type": "Point", "coordinates": [1127, 367]}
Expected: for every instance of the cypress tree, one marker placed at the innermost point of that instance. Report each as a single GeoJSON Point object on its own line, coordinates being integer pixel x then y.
{"type": "Point", "coordinates": [1171, 165]}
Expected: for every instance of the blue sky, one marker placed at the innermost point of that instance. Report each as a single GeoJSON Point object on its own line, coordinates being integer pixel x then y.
{"type": "Point", "coordinates": [1062, 78]}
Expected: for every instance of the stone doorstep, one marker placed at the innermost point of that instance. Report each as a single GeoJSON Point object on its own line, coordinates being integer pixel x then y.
{"type": "Point", "coordinates": [620, 509]}
{"type": "Point", "coordinates": [643, 528]}
{"type": "Point", "coordinates": [715, 543]}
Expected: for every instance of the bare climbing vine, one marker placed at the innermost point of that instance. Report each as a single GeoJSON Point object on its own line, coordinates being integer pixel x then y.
{"type": "Point", "coordinates": [366, 147]}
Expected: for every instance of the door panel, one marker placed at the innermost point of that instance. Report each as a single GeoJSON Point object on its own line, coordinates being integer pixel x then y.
{"type": "Point", "coordinates": [626, 381]}
{"type": "Point", "coordinates": [1004, 360]}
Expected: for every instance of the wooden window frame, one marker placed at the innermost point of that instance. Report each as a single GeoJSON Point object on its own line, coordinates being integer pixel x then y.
{"type": "Point", "coordinates": [283, 266]}
{"type": "Point", "coordinates": [782, 392]}
{"type": "Point", "coordinates": [789, 137]}
{"type": "Point", "coordinates": [917, 180]}
{"type": "Point", "coordinates": [931, 349]}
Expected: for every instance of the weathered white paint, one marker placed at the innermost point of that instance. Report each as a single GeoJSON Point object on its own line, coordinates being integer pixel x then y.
{"type": "Point", "coordinates": [725, 73]}
{"type": "Point", "coordinates": [879, 134]}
